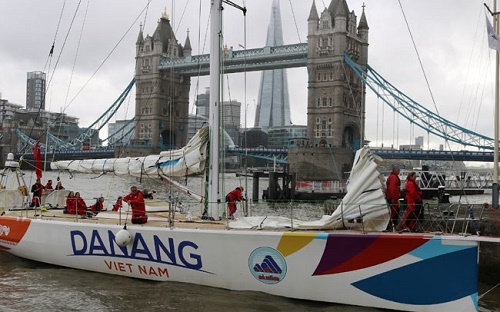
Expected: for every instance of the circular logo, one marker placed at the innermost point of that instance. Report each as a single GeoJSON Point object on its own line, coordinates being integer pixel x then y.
{"type": "Point", "coordinates": [267, 265]}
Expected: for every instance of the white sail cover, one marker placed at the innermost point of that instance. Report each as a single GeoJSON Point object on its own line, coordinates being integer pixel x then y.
{"type": "Point", "coordinates": [55, 198]}
{"type": "Point", "coordinates": [11, 199]}
{"type": "Point", "coordinates": [191, 159]}
{"type": "Point", "coordinates": [363, 207]}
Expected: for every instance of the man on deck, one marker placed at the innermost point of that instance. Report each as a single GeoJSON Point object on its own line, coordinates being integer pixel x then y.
{"type": "Point", "coordinates": [136, 202]}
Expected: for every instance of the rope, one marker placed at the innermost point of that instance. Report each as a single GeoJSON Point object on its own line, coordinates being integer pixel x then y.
{"type": "Point", "coordinates": [295, 20]}
{"type": "Point", "coordinates": [106, 58]}
{"type": "Point", "coordinates": [480, 297]}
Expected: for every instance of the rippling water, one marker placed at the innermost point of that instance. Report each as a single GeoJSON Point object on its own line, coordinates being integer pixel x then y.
{"type": "Point", "coordinates": [30, 286]}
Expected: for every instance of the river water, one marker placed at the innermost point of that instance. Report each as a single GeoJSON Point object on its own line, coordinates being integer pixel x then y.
{"type": "Point", "coordinates": [31, 286]}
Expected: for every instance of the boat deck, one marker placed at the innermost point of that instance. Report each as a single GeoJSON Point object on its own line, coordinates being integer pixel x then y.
{"type": "Point", "coordinates": [155, 219]}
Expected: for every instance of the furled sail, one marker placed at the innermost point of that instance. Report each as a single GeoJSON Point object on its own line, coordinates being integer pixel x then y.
{"type": "Point", "coordinates": [363, 206]}
{"type": "Point", "coordinates": [191, 159]}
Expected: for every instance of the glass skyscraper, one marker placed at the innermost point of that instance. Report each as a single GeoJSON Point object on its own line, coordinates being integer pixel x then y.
{"type": "Point", "coordinates": [273, 107]}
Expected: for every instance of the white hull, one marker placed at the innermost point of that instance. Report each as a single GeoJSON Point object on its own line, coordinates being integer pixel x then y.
{"type": "Point", "coordinates": [414, 272]}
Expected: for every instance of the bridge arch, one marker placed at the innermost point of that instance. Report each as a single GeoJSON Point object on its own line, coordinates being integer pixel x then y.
{"type": "Point", "coordinates": [351, 137]}
{"type": "Point", "coordinates": [167, 139]}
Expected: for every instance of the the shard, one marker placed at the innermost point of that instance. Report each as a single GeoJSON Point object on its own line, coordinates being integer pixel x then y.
{"type": "Point", "coordinates": [273, 107]}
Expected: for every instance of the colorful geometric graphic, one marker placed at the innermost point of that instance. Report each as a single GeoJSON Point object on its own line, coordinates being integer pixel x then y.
{"type": "Point", "coordinates": [293, 242]}
{"type": "Point", "coordinates": [344, 253]}
{"type": "Point", "coordinates": [444, 283]}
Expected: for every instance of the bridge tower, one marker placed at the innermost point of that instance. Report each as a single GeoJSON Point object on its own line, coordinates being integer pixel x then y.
{"type": "Point", "coordinates": [335, 112]}
{"type": "Point", "coordinates": [162, 97]}
{"type": "Point", "coordinates": [335, 103]}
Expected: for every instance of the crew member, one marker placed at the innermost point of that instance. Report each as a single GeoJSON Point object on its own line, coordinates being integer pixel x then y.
{"type": "Point", "coordinates": [37, 190]}
{"type": "Point", "coordinates": [59, 186]}
{"type": "Point", "coordinates": [118, 204]}
{"type": "Point", "coordinates": [80, 205]}
{"type": "Point", "coordinates": [48, 186]}
{"type": "Point", "coordinates": [136, 202]}
{"type": "Point", "coordinates": [232, 197]}
{"type": "Point", "coordinates": [392, 192]}
{"type": "Point", "coordinates": [98, 206]}
{"type": "Point", "coordinates": [413, 196]}
{"type": "Point", "coordinates": [71, 203]}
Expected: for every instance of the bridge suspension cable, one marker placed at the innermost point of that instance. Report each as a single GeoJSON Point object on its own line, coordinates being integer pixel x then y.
{"type": "Point", "coordinates": [417, 114]}
{"type": "Point", "coordinates": [122, 128]}
{"type": "Point", "coordinates": [102, 120]}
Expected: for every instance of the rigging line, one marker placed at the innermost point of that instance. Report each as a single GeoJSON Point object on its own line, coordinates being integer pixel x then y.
{"type": "Point", "coordinates": [295, 21]}
{"type": "Point", "coordinates": [418, 56]}
{"type": "Point", "coordinates": [106, 58]}
{"type": "Point", "coordinates": [74, 65]}
{"type": "Point", "coordinates": [197, 89]}
{"type": "Point", "coordinates": [55, 36]}
{"type": "Point", "coordinates": [53, 71]}
{"type": "Point", "coordinates": [468, 69]}
{"type": "Point", "coordinates": [485, 69]}
{"type": "Point", "coordinates": [421, 66]}
{"type": "Point", "coordinates": [182, 16]}
{"type": "Point", "coordinates": [64, 43]}
{"type": "Point", "coordinates": [146, 14]}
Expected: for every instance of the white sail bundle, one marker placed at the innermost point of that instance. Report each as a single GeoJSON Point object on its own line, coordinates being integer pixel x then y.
{"type": "Point", "coordinates": [363, 206]}
{"type": "Point", "coordinates": [191, 159]}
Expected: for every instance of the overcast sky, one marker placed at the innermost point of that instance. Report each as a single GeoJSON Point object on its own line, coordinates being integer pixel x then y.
{"type": "Point", "coordinates": [449, 36]}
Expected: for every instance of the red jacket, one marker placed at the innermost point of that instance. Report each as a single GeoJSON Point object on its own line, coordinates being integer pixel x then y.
{"type": "Point", "coordinates": [136, 202]}
{"type": "Point", "coordinates": [413, 192]}
{"type": "Point", "coordinates": [71, 205]}
{"type": "Point", "coordinates": [393, 186]}
{"type": "Point", "coordinates": [98, 206]}
{"type": "Point", "coordinates": [117, 205]}
{"type": "Point", "coordinates": [234, 195]}
{"type": "Point", "coordinates": [76, 205]}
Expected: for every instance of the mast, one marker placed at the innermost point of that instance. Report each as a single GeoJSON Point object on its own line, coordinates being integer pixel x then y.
{"type": "Point", "coordinates": [213, 199]}
{"type": "Point", "coordinates": [494, 202]}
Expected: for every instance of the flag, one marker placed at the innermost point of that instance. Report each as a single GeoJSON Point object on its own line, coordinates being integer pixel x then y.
{"type": "Point", "coordinates": [493, 38]}
{"type": "Point", "coordinates": [37, 155]}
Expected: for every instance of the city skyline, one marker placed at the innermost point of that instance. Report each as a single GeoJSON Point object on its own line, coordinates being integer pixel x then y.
{"type": "Point", "coordinates": [461, 89]}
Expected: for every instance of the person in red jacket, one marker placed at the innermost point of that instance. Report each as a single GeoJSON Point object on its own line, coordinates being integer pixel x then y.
{"type": "Point", "coordinates": [392, 192]}
{"type": "Point", "coordinates": [118, 204]}
{"type": "Point", "coordinates": [98, 206]}
{"type": "Point", "coordinates": [136, 202]}
{"type": "Point", "coordinates": [413, 197]}
{"type": "Point", "coordinates": [59, 186]}
{"type": "Point", "coordinates": [231, 199]}
{"type": "Point", "coordinates": [80, 205]}
{"type": "Point", "coordinates": [48, 186]}
{"type": "Point", "coordinates": [71, 203]}
{"type": "Point", "coordinates": [37, 190]}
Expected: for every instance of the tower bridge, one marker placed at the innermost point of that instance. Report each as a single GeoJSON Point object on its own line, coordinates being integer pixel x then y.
{"type": "Point", "coordinates": [336, 57]}
{"type": "Point", "coordinates": [265, 58]}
